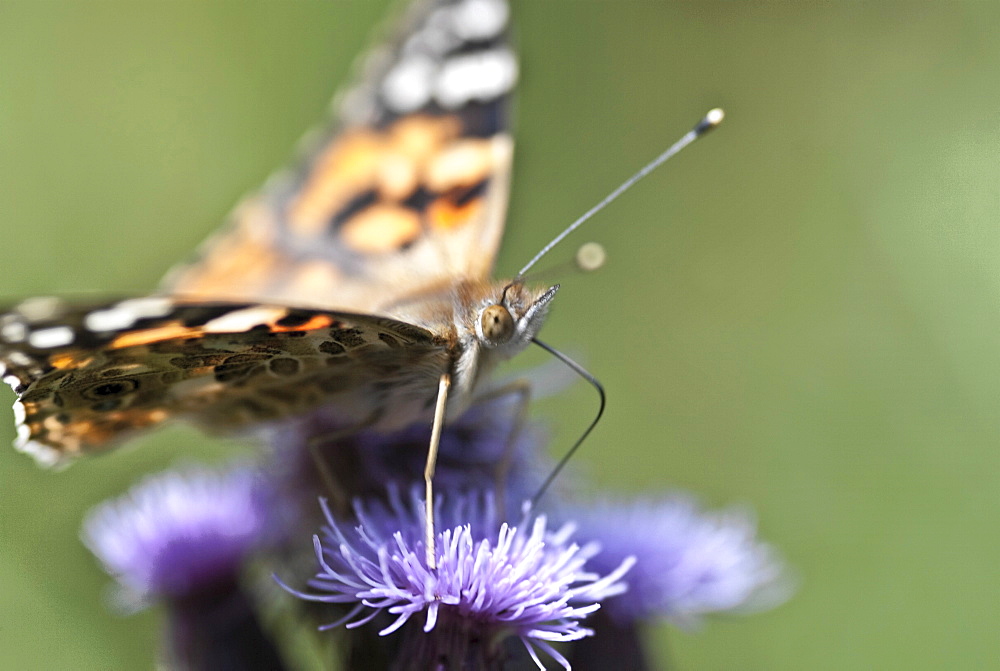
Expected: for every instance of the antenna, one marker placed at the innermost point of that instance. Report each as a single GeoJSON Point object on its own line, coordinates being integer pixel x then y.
{"type": "Point", "coordinates": [710, 121]}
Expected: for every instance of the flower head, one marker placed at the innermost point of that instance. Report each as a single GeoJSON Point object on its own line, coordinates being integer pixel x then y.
{"type": "Point", "coordinates": [179, 532]}
{"type": "Point", "coordinates": [529, 581]}
{"type": "Point", "coordinates": [688, 563]}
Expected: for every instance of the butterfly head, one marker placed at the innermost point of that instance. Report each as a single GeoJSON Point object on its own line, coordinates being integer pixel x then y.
{"type": "Point", "coordinates": [509, 323]}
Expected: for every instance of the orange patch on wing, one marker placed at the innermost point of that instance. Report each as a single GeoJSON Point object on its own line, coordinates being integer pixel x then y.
{"type": "Point", "coordinates": [168, 332]}
{"type": "Point", "coordinates": [381, 228]}
{"type": "Point", "coordinates": [397, 176]}
{"type": "Point", "coordinates": [391, 162]}
{"type": "Point", "coordinates": [63, 361]}
{"type": "Point", "coordinates": [314, 279]}
{"type": "Point", "coordinates": [315, 322]}
{"type": "Point", "coordinates": [104, 430]}
{"type": "Point", "coordinates": [462, 163]}
{"type": "Point", "coordinates": [247, 253]}
{"type": "Point", "coordinates": [344, 170]}
{"type": "Point", "coordinates": [87, 433]}
{"type": "Point", "coordinates": [444, 215]}
{"type": "Point", "coordinates": [421, 137]}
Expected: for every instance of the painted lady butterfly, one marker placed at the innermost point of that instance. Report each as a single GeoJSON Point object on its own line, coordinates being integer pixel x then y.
{"type": "Point", "coordinates": [357, 280]}
{"type": "Point", "coordinates": [382, 237]}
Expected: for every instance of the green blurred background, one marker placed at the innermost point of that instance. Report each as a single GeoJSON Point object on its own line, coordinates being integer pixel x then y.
{"type": "Point", "coordinates": [800, 313]}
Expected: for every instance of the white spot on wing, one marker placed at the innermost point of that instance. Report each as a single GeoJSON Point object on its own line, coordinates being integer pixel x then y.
{"type": "Point", "coordinates": [14, 332]}
{"type": "Point", "coordinates": [13, 381]}
{"type": "Point", "coordinates": [19, 413]}
{"type": "Point", "coordinates": [57, 336]}
{"type": "Point", "coordinates": [438, 34]}
{"type": "Point", "coordinates": [44, 455]}
{"type": "Point", "coordinates": [243, 320]}
{"type": "Point", "coordinates": [480, 19]}
{"type": "Point", "coordinates": [126, 313]}
{"type": "Point", "coordinates": [40, 308]}
{"type": "Point", "coordinates": [408, 86]}
{"type": "Point", "coordinates": [19, 358]}
{"type": "Point", "coordinates": [112, 319]}
{"type": "Point", "coordinates": [150, 306]}
{"type": "Point", "coordinates": [477, 76]}
{"type": "Point", "coordinates": [192, 386]}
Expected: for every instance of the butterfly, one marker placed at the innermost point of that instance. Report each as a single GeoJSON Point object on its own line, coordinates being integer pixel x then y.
{"type": "Point", "coordinates": [357, 280]}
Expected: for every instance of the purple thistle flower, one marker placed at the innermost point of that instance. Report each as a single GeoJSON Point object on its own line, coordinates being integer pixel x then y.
{"type": "Point", "coordinates": [491, 580]}
{"type": "Point", "coordinates": [689, 563]}
{"type": "Point", "coordinates": [179, 533]}
{"type": "Point", "coordinates": [183, 537]}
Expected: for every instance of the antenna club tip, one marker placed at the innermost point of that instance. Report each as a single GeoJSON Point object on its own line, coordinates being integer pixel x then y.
{"type": "Point", "coordinates": [590, 256]}
{"type": "Point", "coordinates": [710, 121]}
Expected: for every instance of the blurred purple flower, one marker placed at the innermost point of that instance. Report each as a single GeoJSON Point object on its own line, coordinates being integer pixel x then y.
{"type": "Point", "coordinates": [492, 580]}
{"type": "Point", "coordinates": [179, 532]}
{"type": "Point", "coordinates": [689, 563]}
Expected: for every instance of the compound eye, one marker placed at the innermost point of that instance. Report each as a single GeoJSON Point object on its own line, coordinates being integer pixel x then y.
{"type": "Point", "coordinates": [498, 325]}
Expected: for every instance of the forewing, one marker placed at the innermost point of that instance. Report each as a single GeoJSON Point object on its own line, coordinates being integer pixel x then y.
{"type": "Point", "coordinates": [86, 378]}
{"type": "Point", "coordinates": [405, 190]}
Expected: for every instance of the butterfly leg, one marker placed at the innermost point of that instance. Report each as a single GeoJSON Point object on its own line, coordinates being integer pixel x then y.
{"type": "Point", "coordinates": [521, 390]}
{"type": "Point", "coordinates": [444, 385]}
{"type": "Point", "coordinates": [338, 492]}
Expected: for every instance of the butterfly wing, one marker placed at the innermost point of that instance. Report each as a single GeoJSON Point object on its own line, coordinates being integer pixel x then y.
{"type": "Point", "coordinates": [86, 378]}
{"type": "Point", "coordinates": [405, 191]}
